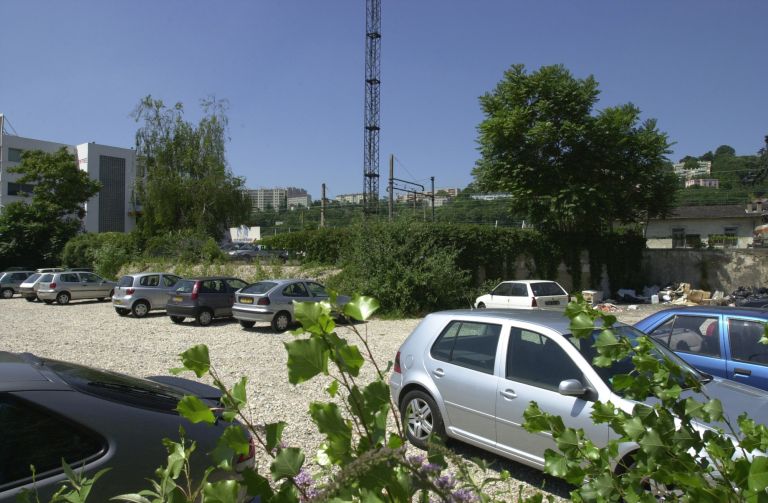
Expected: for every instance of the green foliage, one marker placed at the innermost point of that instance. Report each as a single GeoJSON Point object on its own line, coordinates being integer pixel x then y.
{"type": "Point", "coordinates": [321, 246]}
{"type": "Point", "coordinates": [34, 232]}
{"type": "Point", "coordinates": [105, 252]}
{"type": "Point", "coordinates": [681, 452]}
{"type": "Point", "coordinates": [185, 245]}
{"type": "Point", "coordinates": [564, 165]}
{"type": "Point", "coordinates": [185, 182]}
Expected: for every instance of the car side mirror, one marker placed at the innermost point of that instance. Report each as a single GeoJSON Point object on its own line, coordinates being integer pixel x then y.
{"type": "Point", "coordinates": [572, 387]}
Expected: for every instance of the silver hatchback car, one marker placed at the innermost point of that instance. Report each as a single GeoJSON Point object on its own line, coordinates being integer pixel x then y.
{"type": "Point", "coordinates": [71, 285]}
{"type": "Point", "coordinates": [143, 292]}
{"type": "Point", "coordinates": [10, 281]}
{"type": "Point", "coordinates": [470, 375]}
{"type": "Point", "coordinates": [271, 301]}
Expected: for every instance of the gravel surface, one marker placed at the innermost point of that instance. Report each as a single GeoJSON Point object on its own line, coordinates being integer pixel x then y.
{"type": "Point", "coordinates": [91, 333]}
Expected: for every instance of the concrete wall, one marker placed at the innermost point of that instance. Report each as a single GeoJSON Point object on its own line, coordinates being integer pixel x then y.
{"type": "Point", "coordinates": [18, 142]}
{"type": "Point", "coordinates": [707, 269]}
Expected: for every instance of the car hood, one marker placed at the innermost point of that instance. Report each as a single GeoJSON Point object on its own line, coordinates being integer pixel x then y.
{"type": "Point", "coordinates": [736, 399]}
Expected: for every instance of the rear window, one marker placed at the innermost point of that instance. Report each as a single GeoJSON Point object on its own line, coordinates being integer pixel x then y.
{"type": "Point", "coordinates": [259, 288]}
{"type": "Point", "coordinates": [46, 278]}
{"type": "Point", "coordinates": [546, 289]}
{"type": "Point", "coordinates": [42, 439]}
{"type": "Point", "coordinates": [125, 281]}
{"type": "Point", "coordinates": [185, 286]}
{"type": "Point", "coordinates": [33, 278]}
{"type": "Point", "coordinates": [117, 387]}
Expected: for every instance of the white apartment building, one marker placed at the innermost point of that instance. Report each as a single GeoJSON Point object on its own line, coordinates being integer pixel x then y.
{"type": "Point", "coordinates": [111, 210]}
{"type": "Point", "coordinates": [704, 169]}
{"type": "Point", "coordinates": [299, 201]}
{"type": "Point", "coordinates": [263, 199]}
{"type": "Point", "coordinates": [703, 182]}
{"type": "Point", "coordinates": [356, 198]}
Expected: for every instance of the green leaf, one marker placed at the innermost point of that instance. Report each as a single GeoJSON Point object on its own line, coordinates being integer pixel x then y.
{"type": "Point", "coordinates": [715, 410]}
{"type": "Point", "coordinates": [758, 474]}
{"type": "Point", "coordinates": [333, 388]}
{"type": "Point", "coordinates": [306, 359]}
{"type": "Point", "coordinates": [336, 429]}
{"type": "Point", "coordinates": [196, 359]}
{"type": "Point", "coordinates": [309, 314]}
{"type": "Point", "coordinates": [361, 307]}
{"type": "Point", "coordinates": [582, 325]}
{"type": "Point", "coordinates": [235, 438]}
{"type": "Point", "coordinates": [652, 442]}
{"type": "Point", "coordinates": [257, 485]}
{"type": "Point", "coordinates": [274, 434]}
{"type": "Point", "coordinates": [132, 498]}
{"type": "Point", "coordinates": [195, 410]}
{"type": "Point", "coordinates": [287, 463]}
{"type": "Point", "coordinates": [224, 491]}
{"type": "Point", "coordinates": [350, 359]}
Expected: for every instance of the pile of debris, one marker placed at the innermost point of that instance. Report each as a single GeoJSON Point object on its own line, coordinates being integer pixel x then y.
{"type": "Point", "coordinates": [749, 297]}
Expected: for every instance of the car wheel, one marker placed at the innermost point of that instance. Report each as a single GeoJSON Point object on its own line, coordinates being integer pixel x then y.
{"type": "Point", "coordinates": [62, 298]}
{"type": "Point", "coordinates": [140, 309]}
{"type": "Point", "coordinates": [204, 317]}
{"type": "Point", "coordinates": [7, 293]}
{"type": "Point", "coordinates": [281, 321]}
{"type": "Point", "coordinates": [177, 319]}
{"type": "Point", "coordinates": [481, 306]}
{"type": "Point", "coordinates": [247, 324]}
{"type": "Point", "coordinates": [48, 301]}
{"type": "Point", "coordinates": [421, 418]}
{"type": "Point", "coordinates": [121, 311]}
{"type": "Point", "coordinates": [29, 299]}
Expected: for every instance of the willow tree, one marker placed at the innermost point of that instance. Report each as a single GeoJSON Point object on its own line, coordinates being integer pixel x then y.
{"type": "Point", "coordinates": [183, 181]}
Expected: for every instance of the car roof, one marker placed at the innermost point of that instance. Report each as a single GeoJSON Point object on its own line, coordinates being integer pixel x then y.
{"type": "Point", "coordinates": [24, 371]}
{"type": "Point", "coordinates": [529, 281]}
{"type": "Point", "coordinates": [717, 310]}
{"type": "Point", "coordinates": [554, 320]}
{"type": "Point", "coordinates": [140, 274]}
{"type": "Point", "coordinates": [206, 278]}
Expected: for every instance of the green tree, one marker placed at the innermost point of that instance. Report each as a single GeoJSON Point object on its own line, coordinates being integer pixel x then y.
{"type": "Point", "coordinates": [567, 167]}
{"type": "Point", "coordinates": [725, 150]}
{"type": "Point", "coordinates": [35, 231]}
{"type": "Point", "coordinates": [183, 181]}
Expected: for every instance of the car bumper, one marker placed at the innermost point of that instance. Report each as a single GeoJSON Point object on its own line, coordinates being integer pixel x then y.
{"type": "Point", "coordinates": [47, 294]}
{"type": "Point", "coordinates": [176, 310]}
{"type": "Point", "coordinates": [258, 315]}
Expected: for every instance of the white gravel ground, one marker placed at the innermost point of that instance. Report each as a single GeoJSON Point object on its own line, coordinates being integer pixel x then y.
{"type": "Point", "coordinates": [91, 333]}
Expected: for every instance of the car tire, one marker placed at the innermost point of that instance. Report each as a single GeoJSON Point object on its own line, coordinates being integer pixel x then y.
{"type": "Point", "coordinates": [63, 298]}
{"type": "Point", "coordinates": [140, 309]}
{"type": "Point", "coordinates": [421, 418]}
{"type": "Point", "coordinates": [204, 317]}
{"type": "Point", "coordinates": [7, 293]}
{"type": "Point", "coordinates": [481, 306]}
{"type": "Point", "coordinates": [121, 311]}
{"type": "Point", "coordinates": [177, 319]}
{"type": "Point", "coordinates": [29, 299]}
{"type": "Point", "coordinates": [246, 323]}
{"type": "Point", "coordinates": [47, 301]}
{"type": "Point", "coordinates": [281, 321]}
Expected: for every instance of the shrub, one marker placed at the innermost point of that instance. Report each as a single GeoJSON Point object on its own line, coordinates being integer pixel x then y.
{"type": "Point", "coordinates": [185, 245]}
{"type": "Point", "coordinates": [105, 252]}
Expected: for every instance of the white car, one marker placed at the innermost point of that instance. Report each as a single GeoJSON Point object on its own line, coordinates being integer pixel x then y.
{"type": "Point", "coordinates": [525, 294]}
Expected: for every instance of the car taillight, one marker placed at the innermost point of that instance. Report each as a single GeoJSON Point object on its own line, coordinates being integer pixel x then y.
{"type": "Point", "coordinates": [264, 301]}
{"type": "Point", "coordinates": [130, 291]}
{"type": "Point", "coordinates": [53, 285]}
{"type": "Point", "coordinates": [195, 290]}
{"type": "Point", "coordinates": [397, 364]}
{"type": "Point", "coordinates": [533, 302]}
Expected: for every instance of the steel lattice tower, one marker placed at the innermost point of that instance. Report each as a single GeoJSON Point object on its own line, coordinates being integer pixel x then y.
{"type": "Point", "coordinates": [372, 105]}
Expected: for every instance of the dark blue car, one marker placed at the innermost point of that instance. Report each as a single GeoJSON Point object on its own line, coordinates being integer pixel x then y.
{"type": "Point", "coordinates": [722, 341]}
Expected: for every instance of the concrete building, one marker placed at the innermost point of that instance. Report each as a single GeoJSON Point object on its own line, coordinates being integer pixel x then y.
{"type": "Point", "coordinates": [704, 169]}
{"type": "Point", "coordinates": [721, 226]}
{"type": "Point", "coordinates": [109, 210]}
{"type": "Point", "coordinates": [713, 183]}
{"type": "Point", "coordinates": [264, 199]}
{"type": "Point", "coordinates": [350, 198]}
{"type": "Point", "coordinates": [299, 201]}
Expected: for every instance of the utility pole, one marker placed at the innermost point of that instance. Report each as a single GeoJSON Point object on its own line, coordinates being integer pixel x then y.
{"type": "Point", "coordinates": [432, 178]}
{"type": "Point", "coordinates": [322, 208]}
{"type": "Point", "coordinates": [372, 106]}
{"type": "Point", "coordinates": [390, 187]}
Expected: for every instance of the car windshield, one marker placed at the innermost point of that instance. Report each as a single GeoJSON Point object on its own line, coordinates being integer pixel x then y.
{"type": "Point", "coordinates": [587, 349]}
{"type": "Point", "coordinates": [116, 387]}
{"type": "Point", "coordinates": [32, 278]}
{"type": "Point", "coordinates": [259, 288]}
{"type": "Point", "coordinates": [547, 288]}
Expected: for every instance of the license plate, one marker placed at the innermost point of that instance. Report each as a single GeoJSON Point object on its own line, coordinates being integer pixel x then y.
{"type": "Point", "coordinates": [246, 300]}
{"type": "Point", "coordinates": [118, 302]}
{"type": "Point", "coordinates": [552, 303]}
{"type": "Point", "coordinates": [177, 299]}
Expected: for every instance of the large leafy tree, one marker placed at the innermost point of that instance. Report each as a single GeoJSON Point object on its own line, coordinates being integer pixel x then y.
{"type": "Point", "coordinates": [183, 180]}
{"type": "Point", "coordinates": [567, 166]}
{"type": "Point", "coordinates": [33, 232]}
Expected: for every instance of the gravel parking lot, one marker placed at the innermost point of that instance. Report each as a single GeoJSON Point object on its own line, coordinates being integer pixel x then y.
{"type": "Point", "coordinates": [91, 333]}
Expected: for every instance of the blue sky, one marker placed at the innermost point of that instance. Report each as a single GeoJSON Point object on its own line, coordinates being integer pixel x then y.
{"type": "Point", "coordinates": [293, 71]}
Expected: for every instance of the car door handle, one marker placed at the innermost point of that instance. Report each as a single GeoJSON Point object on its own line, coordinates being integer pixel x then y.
{"type": "Point", "coordinates": [438, 372]}
{"type": "Point", "coordinates": [742, 372]}
{"type": "Point", "coordinates": [508, 394]}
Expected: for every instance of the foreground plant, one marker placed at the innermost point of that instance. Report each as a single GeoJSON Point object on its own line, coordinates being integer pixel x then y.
{"type": "Point", "coordinates": [683, 455]}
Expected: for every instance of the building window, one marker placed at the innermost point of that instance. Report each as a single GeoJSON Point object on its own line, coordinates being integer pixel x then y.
{"type": "Point", "coordinates": [731, 240]}
{"type": "Point", "coordinates": [112, 195]}
{"type": "Point", "coordinates": [20, 189]}
{"type": "Point", "coordinates": [14, 154]}
{"type": "Point", "coordinates": [678, 238]}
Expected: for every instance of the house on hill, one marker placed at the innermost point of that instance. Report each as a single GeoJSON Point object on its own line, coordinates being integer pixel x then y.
{"type": "Point", "coordinates": [718, 226]}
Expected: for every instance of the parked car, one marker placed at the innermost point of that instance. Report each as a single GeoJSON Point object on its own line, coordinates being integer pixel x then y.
{"type": "Point", "coordinates": [271, 301]}
{"type": "Point", "coordinates": [143, 292]}
{"type": "Point", "coordinates": [471, 374]}
{"type": "Point", "coordinates": [28, 287]}
{"type": "Point", "coordinates": [52, 410]}
{"type": "Point", "coordinates": [72, 285]}
{"type": "Point", "coordinates": [525, 294]}
{"type": "Point", "coordinates": [255, 252]}
{"type": "Point", "coordinates": [203, 299]}
{"type": "Point", "coordinates": [719, 340]}
{"type": "Point", "coordinates": [10, 282]}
